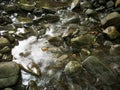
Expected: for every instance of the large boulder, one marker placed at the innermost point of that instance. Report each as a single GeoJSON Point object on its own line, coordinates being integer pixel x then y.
{"type": "Point", "coordinates": [112, 19]}
{"type": "Point", "coordinates": [99, 70]}
{"type": "Point", "coordinates": [9, 73]}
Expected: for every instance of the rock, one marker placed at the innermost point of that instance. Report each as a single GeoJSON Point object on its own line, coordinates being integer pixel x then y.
{"type": "Point", "coordinates": [51, 18]}
{"type": "Point", "coordinates": [72, 67]}
{"type": "Point", "coordinates": [115, 49]}
{"type": "Point", "coordinates": [72, 20]}
{"type": "Point", "coordinates": [4, 20]}
{"type": "Point", "coordinates": [11, 8]}
{"type": "Point", "coordinates": [55, 40]}
{"type": "Point", "coordinates": [8, 89]}
{"type": "Point", "coordinates": [7, 56]}
{"type": "Point", "coordinates": [110, 4]}
{"type": "Point", "coordinates": [117, 3]}
{"type": "Point", "coordinates": [102, 2]}
{"type": "Point", "coordinates": [99, 70]}
{"type": "Point", "coordinates": [9, 74]}
{"type": "Point", "coordinates": [112, 19]}
{"type": "Point", "coordinates": [112, 32]}
{"type": "Point", "coordinates": [108, 43]}
{"type": "Point", "coordinates": [25, 20]}
{"type": "Point", "coordinates": [26, 5]}
{"type": "Point", "coordinates": [91, 12]}
{"type": "Point", "coordinates": [32, 85]}
{"type": "Point", "coordinates": [82, 40]}
{"type": "Point", "coordinates": [85, 4]}
{"type": "Point", "coordinates": [5, 49]}
{"type": "Point", "coordinates": [4, 42]}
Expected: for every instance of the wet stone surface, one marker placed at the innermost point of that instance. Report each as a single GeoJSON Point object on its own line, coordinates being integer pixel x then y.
{"type": "Point", "coordinates": [59, 45]}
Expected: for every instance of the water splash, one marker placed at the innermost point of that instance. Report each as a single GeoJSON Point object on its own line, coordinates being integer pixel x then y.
{"type": "Point", "coordinates": [36, 55]}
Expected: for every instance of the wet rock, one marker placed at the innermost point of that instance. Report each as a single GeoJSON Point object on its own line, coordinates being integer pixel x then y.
{"type": "Point", "coordinates": [9, 73]}
{"type": "Point", "coordinates": [72, 67]}
{"type": "Point", "coordinates": [5, 20]}
{"type": "Point", "coordinates": [82, 40]}
{"type": "Point", "coordinates": [48, 10]}
{"type": "Point", "coordinates": [108, 43]}
{"type": "Point", "coordinates": [99, 70]}
{"type": "Point", "coordinates": [110, 4]}
{"type": "Point", "coordinates": [74, 4]}
{"type": "Point", "coordinates": [115, 49]}
{"type": "Point", "coordinates": [5, 49]}
{"type": "Point", "coordinates": [71, 31]}
{"type": "Point", "coordinates": [101, 8]}
{"type": "Point", "coordinates": [72, 20]}
{"type": "Point", "coordinates": [7, 56]}
{"type": "Point", "coordinates": [112, 32]}
{"type": "Point", "coordinates": [51, 18]}
{"type": "Point", "coordinates": [8, 89]}
{"type": "Point", "coordinates": [117, 3]}
{"type": "Point", "coordinates": [4, 42]}
{"type": "Point", "coordinates": [91, 12]}
{"type": "Point", "coordinates": [85, 4]}
{"type": "Point", "coordinates": [55, 40]}
{"type": "Point", "coordinates": [32, 85]}
{"type": "Point", "coordinates": [11, 8]}
{"type": "Point", "coordinates": [102, 2]}
{"type": "Point", "coordinates": [26, 5]}
{"type": "Point", "coordinates": [24, 20]}
{"type": "Point", "coordinates": [112, 19]}
{"type": "Point", "coordinates": [0, 55]}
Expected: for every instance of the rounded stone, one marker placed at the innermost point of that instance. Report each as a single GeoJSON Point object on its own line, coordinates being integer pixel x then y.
{"type": "Point", "coordinates": [8, 69]}
{"type": "Point", "coordinates": [4, 42]}
{"type": "Point", "coordinates": [72, 67]}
